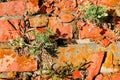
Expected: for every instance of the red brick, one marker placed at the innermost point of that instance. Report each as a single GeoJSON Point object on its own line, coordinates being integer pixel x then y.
{"type": "Point", "coordinates": [7, 31]}
{"type": "Point", "coordinates": [10, 61]}
{"type": "Point", "coordinates": [108, 33]}
{"type": "Point", "coordinates": [80, 24]}
{"type": "Point", "coordinates": [76, 74]}
{"type": "Point", "coordinates": [12, 8]}
{"type": "Point", "coordinates": [32, 6]}
{"type": "Point", "coordinates": [109, 3]}
{"type": "Point", "coordinates": [116, 76]}
{"type": "Point", "coordinates": [88, 32]}
{"type": "Point", "coordinates": [99, 77]}
{"type": "Point", "coordinates": [96, 61]}
{"type": "Point", "coordinates": [64, 28]}
{"type": "Point", "coordinates": [113, 76]}
{"type": "Point", "coordinates": [105, 42]}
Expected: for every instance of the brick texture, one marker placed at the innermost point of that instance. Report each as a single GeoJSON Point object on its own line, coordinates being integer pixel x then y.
{"type": "Point", "coordinates": [13, 8]}
{"type": "Point", "coordinates": [9, 29]}
{"type": "Point", "coordinates": [10, 61]}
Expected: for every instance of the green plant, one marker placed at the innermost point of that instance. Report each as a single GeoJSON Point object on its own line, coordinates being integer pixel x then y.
{"type": "Point", "coordinates": [41, 41]}
{"type": "Point", "coordinates": [23, 43]}
{"type": "Point", "coordinates": [94, 13]}
{"type": "Point", "coordinates": [66, 70]}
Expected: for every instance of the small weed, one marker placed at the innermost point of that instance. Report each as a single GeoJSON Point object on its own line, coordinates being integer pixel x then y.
{"type": "Point", "coordinates": [66, 70]}
{"type": "Point", "coordinates": [94, 13]}
{"type": "Point", "coordinates": [23, 43]}
{"type": "Point", "coordinates": [41, 41]}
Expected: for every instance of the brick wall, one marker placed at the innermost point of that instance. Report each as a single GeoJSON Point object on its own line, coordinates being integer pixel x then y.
{"type": "Point", "coordinates": [11, 14]}
{"type": "Point", "coordinates": [60, 15]}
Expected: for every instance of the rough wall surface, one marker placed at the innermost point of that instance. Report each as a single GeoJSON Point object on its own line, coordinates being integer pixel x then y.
{"type": "Point", "coordinates": [59, 15]}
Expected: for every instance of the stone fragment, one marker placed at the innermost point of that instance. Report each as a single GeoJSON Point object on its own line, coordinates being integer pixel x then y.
{"type": "Point", "coordinates": [116, 76]}
{"type": "Point", "coordinates": [39, 21]}
{"type": "Point", "coordinates": [88, 32]}
{"type": "Point", "coordinates": [65, 30]}
{"type": "Point", "coordinates": [105, 42]}
{"type": "Point", "coordinates": [76, 74]}
{"type": "Point", "coordinates": [95, 65]}
{"type": "Point", "coordinates": [99, 77]}
{"type": "Point", "coordinates": [66, 17]}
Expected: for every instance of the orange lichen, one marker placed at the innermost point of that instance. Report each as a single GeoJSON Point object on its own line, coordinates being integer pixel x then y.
{"type": "Point", "coordinates": [21, 60]}
{"type": "Point", "coordinates": [62, 59]}
{"type": "Point", "coordinates": [62, 50]}
{"type": "Point", "coordinates": [22, 63]}
{"type": "Point", "coordinates": [39, 21]}
{"type": "Point", "coordinates": [1, 53]}
{"type": "Point", "coordinates": [7, 52]}
{"type": "Point", "coordinates": [113, 47]}
{"type": "Point", "coordinates": [86, 49]}
{"type": "Point", "coordinates": [13, 55]}
{"type": "Point", "coordinates": [71, 49]}
{"type": "Point", "coordinates": [108, 63]}
{"type": "Point", "coordinates": [11, 75]}
{"type": "Point", "coordinates": [110, 2]}
{"type": "Point", "coordinates": [66, 17]}
{"type": "Point", "coordinates": [78, 54]}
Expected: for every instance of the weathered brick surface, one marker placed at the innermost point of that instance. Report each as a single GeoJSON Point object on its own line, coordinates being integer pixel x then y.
{"type": "Point", "coordinates": [64, 28]}
{"type": "Point", "coordinates": [12, 8]}
{"type": "Point", "coordinates": [9, 29]}
{"type": "Point", "coordinates": [10, 61]}
{"type": "Point", "coordinates": [32, 6]}
{"type": "Point", "coordinates": [77, 53]}
{"type": "Point", "coordinates": [62, 17]}
{"type": "Point", "coordinates": [39, 21]}
{"type": "Point", "coordinates": [95, 65]}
